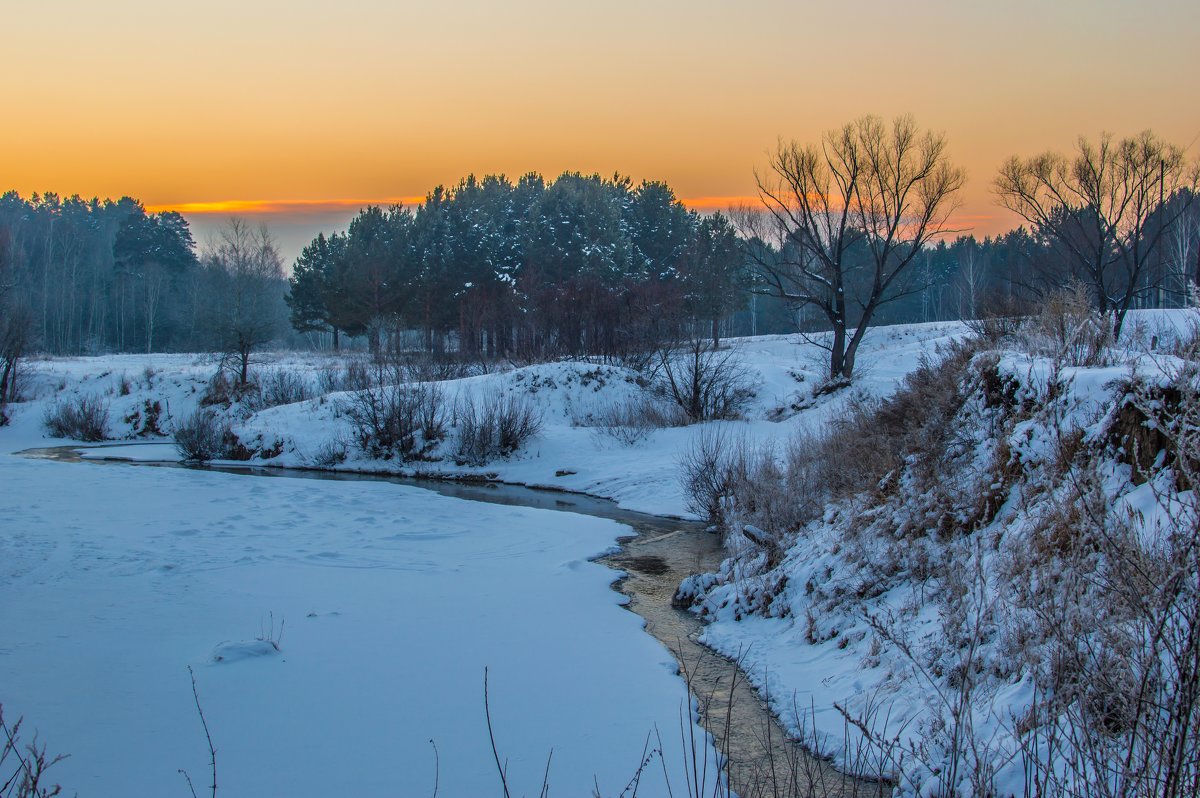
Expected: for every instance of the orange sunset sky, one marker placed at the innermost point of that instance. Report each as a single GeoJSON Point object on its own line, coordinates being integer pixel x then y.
{"type": "Point", "coordinates": [299, 112]}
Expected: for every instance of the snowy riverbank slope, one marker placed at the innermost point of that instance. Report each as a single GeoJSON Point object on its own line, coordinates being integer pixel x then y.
{"type": "Point", "coordinates": [1014, 599]}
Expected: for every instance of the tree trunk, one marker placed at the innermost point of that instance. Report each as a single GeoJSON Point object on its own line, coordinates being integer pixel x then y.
{"type": "Point", "coordinates": [837, 352]}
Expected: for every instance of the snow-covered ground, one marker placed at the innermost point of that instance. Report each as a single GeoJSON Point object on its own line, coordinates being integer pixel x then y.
{"type": "Point", "coordinates": [392, 600]}
{"type": "Point", "coordinates": [877, 609]}
{"type": "Point", "coordinates": [570, 453]}
{"type": "Point", "coordinates": [387, 603]}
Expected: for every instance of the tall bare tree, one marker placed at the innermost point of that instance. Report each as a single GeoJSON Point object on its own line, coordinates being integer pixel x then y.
{"type": "Point", "coordinates": [846, 218]}
{"type": "Point", "coordinates": [1105, 209]}
{"type": "Point", "coordinates": [250, 284]}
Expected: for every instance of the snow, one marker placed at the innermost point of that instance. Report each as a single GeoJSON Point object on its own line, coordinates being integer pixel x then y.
{"type": "Point", "coordinates": [116, 579]}
{"type": "Point", "coordinates": [819, 647]}
{"type": "Point", "coordinates": [388, 603]}
{"type": "Point", "coordinates": [570, 396]}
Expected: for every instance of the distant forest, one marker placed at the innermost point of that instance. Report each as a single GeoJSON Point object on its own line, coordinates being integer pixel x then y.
{"type": "Point", "coordinates": [581, 265]}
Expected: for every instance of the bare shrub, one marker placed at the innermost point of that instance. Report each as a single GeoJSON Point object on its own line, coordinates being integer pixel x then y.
{"type": "Point", "coordinates": [83, 418]}
{"type": "Point", "coordinates": [494, 425]}
{"type": "Point", "coordinates": [352, 375]}
{"type": "Point", "coordinates": [434, 368]}
{"type": "Point", "coordinates": [282, 387]}
{"type": "Point", "coordinates": [999, 319]}
{"type": "Point", "coordinates": [23, 765]}
{"type": "Point", "coordinates": [330, 454]}
{"type": "Point", "coordinates": [202, 436]}
{"type": "Point", "coordinates": [356, 376]}
{"type": "Point", "coordinates": [147, 421]}
{"type": "Point", "coordinates": [706, 382]}
{"type": "Point", "coordinates": [709, 466]}
{"type": "Point", "coordinates": [1186, 345]}
{"type": "Point", "coordinates": [398, 420]}
{"type": "Point", "coordinates": [759, 495]}
{"type": "Point", "coordinates": [631, 421]}
{"type": "Point", "coordinates": [221, 392]}
{"type": "Point", "coordinates": [1065, 327]}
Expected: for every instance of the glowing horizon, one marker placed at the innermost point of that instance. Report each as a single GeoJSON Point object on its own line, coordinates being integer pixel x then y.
{"type": "Point", "coordinates": [298, 113]}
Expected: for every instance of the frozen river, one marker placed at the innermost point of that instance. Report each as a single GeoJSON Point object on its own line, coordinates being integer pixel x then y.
{"type": "Point", "coordinates": [391, 601]}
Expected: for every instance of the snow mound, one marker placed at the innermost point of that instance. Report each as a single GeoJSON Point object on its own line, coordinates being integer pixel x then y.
{"type": "Point", "coordinates": [235, 651]}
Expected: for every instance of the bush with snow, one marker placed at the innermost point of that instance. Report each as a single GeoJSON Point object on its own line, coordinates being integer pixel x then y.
{"type": "Point", "coordinates": [493, 425]}
{"type": "Point", "coordinates": [205, 435]}
{"type": "Point", "coordinates": [80, 418]}
{"type": "Point", "coordinates": [398, 420]}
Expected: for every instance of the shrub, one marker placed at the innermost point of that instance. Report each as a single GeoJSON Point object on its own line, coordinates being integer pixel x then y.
{"type": "Point", "coordinates": [23, 765]}
{"type": "Point", "coordinates": [732, 484]}
{"type": "Point", "coordinates": [83, 418]}
{"type": "Point", "coordinates": [282, 387]}
{"type": "Point", "coordinates": [709, 466]}
{"type": "Point", "coordinates": [1000, 318]}
{"type": "Point", "coordinates": [631, 421]}
{"type": "Point", "coordinates": [331, 453]}
{"type": "Point", "coordinates": [707, 383]}
{"type": "Point", "coordinates": [495, 425]}
{"type": "Point", "coordinates": [219, 391]}
{"type": "Point", "coordinates": [147, 421]}
{"type": "Point", "coordinates": [203, 436]}
{"type": "Point", "coordinates": [1065, 327]}
{"type": "Point", "coordinates": [395, 420]}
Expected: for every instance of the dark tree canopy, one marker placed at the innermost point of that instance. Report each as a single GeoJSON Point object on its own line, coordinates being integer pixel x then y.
{"type": "Point", "coordinates": [526, 269]}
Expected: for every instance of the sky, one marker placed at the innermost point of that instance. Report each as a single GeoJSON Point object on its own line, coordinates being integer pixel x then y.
{"type": "Point", "coordinates": [298, 113]}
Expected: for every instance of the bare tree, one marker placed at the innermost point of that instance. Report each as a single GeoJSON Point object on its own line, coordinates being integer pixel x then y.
{"type": "Point", "coordinates": [846, 218]}
{"type": "Point", "coordinates": [1181, 271]}
{"type": "Point", "coordinates": [970, 280]}
{"type": "Point", "coordinates": [249, 280]}
{"type": "Point", "coordinates": [16, 332]}
{"type": "Point", "coordinates": [1105, 209]}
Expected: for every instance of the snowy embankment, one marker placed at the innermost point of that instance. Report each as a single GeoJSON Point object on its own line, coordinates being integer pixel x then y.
{"type": "Point", "coordinates": [571, 452]}
{"type": "Point", "coordinates": [980, 615]}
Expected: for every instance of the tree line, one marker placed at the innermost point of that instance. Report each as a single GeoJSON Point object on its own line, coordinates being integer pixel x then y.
{"type": "Point", "coordinates": [852, 230]}
{"type": "Point", "coordinates": [93, 276]}
{"type": "Point", "coordinates": [529, 269]}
